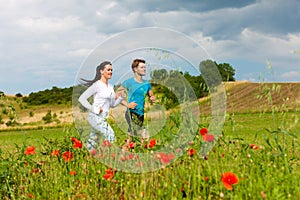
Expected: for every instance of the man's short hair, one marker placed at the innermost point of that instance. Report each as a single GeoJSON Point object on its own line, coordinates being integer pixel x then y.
{"type": "Point", "coordinates": [136, 62]}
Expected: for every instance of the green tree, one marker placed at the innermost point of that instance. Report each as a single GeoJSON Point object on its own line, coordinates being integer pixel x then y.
{"type": "Point", "coordinates": [227, 72]}
{"type": "Point", "coordinates": [158, 75]}
{"type": "Point", "coordinates": [19, 95]}
{"type": "Point", "coordinates": [198, 84]}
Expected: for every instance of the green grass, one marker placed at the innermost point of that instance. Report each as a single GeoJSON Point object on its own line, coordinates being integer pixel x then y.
{"type": "Point", "coordinates": [9, 139]}
{"type": "Point", "coordinates": [249, 125]}
{"type": "Point", "coordinates": [271, 171]}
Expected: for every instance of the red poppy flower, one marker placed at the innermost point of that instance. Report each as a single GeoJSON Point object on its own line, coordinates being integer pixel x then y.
{"type": "Point", "coordinates": [253, 146]}
{"type": "Point", "coordinates": [55, 153]}
{"type": "Point", "coordinates": [208, 137]}
{"type": "Point", "coordinates": [206, 178]}
{"type": "Point", "coordinates": [68, 156]}
{"type": "Point", "coordinates": [29, 195]}
{"type": "Point", "coordinates": [228, 179]}
{"type": "Point", "coordinates": [191, 152]}
{"type": "Point", "coordinates": [93, 152]}
{"type": "Point", "coordinates": [131, 156]}
{"type": "Point", "coordinates": [166, 158]}
{"type": "Point", "coordinates": [106, 143]}
{"type": "Point", "coordinates": [73, 172]}
{"type": "Point", "coordinates": [203, 131]}
{"type": "Point", "coordinates": [124, 158]}
{"type": "Point", "coordinates": [77, 143]}
{"type": "Point", "coordinates": [29, 150]}
{"type": "Point", "coordinates": [35, 170]}
{"type": "Point", "coordinates": [131, 145]}
{"type": "Point", "coordinates": [109, 174]}
{"type": "Point", "coordinates": [152, 143]}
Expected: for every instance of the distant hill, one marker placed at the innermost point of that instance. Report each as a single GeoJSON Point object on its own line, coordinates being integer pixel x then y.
{"type": "Point", "coordinates": [242, 97]}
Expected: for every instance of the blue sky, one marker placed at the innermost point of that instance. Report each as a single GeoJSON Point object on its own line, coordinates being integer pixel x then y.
{"type": "Point", "coordinates": [45, 43]}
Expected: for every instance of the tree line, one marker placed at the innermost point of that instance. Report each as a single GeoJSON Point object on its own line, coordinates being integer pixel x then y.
{"type": "Point", "coordinates": [52, 96]}
{"type": "Point", "coordinates": [174, 87]}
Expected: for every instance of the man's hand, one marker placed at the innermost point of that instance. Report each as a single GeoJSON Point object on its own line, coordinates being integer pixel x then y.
{"type": "Point", "coordinates": [132, 105]}
{"type": "Point", "coordinates": [152, 98]}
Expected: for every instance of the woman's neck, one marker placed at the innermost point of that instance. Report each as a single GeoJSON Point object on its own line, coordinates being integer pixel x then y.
{"type": "Point", "coordinates": [104, 80]}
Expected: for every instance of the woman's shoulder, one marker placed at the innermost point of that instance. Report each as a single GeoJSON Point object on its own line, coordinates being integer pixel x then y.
{"type": "Point", "coordinates": [96, 82]}
{"type": "Point", "coordinates": [110, 86]}
{"type": "Point", "coordinates": [97, 85]}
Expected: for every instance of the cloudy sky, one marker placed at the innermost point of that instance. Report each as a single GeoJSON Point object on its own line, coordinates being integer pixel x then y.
{"type": "Point", "coordinates": [45, 43]}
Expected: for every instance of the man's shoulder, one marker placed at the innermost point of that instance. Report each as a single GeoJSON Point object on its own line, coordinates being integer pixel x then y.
{"type": "Point", "coordinates": [128, 80]}
{"type": "Point", "coordinates": [146, 82]}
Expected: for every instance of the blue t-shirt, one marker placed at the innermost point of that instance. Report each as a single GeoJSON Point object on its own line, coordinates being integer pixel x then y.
{"type": "Point", "coordinates": [136, 93]}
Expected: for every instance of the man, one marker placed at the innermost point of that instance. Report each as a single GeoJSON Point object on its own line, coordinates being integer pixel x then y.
{"type": "Point", "coordinates": [137, 89]}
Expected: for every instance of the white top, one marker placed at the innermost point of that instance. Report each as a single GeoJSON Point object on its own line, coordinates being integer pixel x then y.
{"type": "Point", "coordinates": [104, 97]}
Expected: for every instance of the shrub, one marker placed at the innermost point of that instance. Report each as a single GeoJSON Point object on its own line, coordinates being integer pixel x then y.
{"type": "Point", "coordinates": [48, 117]}
{"type": "Point", "coordinates": [31, 114]}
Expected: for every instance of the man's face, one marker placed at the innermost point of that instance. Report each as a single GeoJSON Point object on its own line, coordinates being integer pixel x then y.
{"type": "Point", "coordinates": [141, 69]}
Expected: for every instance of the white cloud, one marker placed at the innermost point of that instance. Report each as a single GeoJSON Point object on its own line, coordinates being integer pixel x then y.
{"type": "Point", "coordinates": [291, 75]}
{"type": "Point", "coordinates": [82, 53]}
{"type": "Point", "coordinates": [43, 25]}
{"type": "Point", "coordinates": [255, 46]}
{"type": "Point", "coordinates": [110, 5]}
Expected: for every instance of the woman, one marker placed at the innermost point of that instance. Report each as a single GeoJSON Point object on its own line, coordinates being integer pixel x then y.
{"type": "Point", "coordinates": [104, 97]}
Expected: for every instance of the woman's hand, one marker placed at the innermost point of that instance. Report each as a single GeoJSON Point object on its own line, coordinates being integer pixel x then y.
{"type": "Point", "coordinates": [123, 94]}
{"type": "Point", "coordinates": [120, 93]}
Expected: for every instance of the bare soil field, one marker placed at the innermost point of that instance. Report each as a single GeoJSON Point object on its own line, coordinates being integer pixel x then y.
{"type": "Point", "coordinates": [247, 97]}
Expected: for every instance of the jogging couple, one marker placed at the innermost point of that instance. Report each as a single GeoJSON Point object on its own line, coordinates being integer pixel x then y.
{"type": "Point", "coordinates": [104, 98]}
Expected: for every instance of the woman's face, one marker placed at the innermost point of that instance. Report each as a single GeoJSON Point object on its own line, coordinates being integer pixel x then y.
{"type": "Point", "coordinates": [107, 72]}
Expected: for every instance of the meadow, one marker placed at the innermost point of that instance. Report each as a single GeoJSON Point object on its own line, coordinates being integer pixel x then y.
{"type": "Point", "coordinates": [256, 157]}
